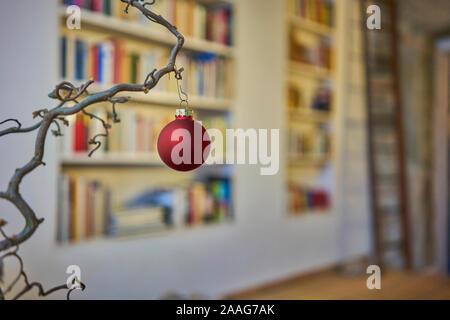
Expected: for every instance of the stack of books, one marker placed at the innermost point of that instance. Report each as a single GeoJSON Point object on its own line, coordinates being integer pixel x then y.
{"type": "Point", "coordinates": [86, 210]}
{"type": "Point", "coordinates": [320, 11]}
{"type": "Point", "coordinates": [307, 199]}
{"type": "Point", "coordinates": [211, 22]}
{"type": "Point", "coordinates": [163, 209]}
{"type": "Point", "coordinates": [151, 211]}
{"type": "Point", "coordinates": [110, 62]}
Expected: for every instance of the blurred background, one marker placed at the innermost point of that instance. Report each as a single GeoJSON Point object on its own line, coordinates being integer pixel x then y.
{"type": "Point", "coordinates": [364, 141]}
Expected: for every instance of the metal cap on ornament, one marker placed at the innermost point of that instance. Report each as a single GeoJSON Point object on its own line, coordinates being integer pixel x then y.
{"type": "Point", "coordinates": [184, 113]}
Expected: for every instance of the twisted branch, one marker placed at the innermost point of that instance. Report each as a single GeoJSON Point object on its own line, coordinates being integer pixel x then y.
{"type": "Point", "coordinates": [28, 285]}
{"type": "Point", "coordinates": [66, 92]}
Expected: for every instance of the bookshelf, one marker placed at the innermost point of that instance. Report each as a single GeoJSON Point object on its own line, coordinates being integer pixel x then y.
{"type": "Point", "coordinates": [124, 190]}
{"type": "Point", "coordinates": [310, 77]}
{"type": "Point", "coordinates": [130, 29]}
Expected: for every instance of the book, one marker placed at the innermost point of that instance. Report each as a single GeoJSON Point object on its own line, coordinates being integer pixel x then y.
{"type": "Point", "coordinates": [82, 210]}
{"type": "Point", "coordinates": [80, 59]}
{"type": "Point", "coordinates": [80, 136]}
{"type": "Point", "coordinates": [99, 210]}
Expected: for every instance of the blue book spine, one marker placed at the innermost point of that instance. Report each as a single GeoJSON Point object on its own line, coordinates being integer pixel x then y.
{"type": "Point", "coordinates": [101, 61]}
{"type": "Point", "coordinates": [79, 60]}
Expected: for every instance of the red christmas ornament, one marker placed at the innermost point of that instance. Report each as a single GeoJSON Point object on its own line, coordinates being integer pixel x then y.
{"type": "Point", "coordinates": [185, 149]}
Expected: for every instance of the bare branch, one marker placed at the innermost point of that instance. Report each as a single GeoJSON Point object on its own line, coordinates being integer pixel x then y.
{"type": "Point", "coordinates": [19, 125]}
{"type": "Point", "coordinates": [114, 102]}
{"type": "Point", "coordinates": [21, 272]}
{"type": "Point", "coordinates": [57, 132]}
{"type": "Point", "coordinates": [150, 76]}
{"type": "Point", "coordinates": [80, 99]}
{"type": "Point", "coordinates": [71, 92]}
{"type": "Point", "coordinates": [94, 140]}
{"type": "Point", "coordinates": [43, 293]}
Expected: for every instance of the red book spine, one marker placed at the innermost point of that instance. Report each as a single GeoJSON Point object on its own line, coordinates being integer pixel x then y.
{"type": "Point", "coordinates": [80, 134]}
{"type": "Point", "coordinates": [97, 5]}
{"type": "Point", "coordinates": [78, 3]}
{"type": "Point", "coordinates": [222, 32]}
{"type": "Point", "coordinates": [210, 26]}
{"type": "Point", "coordinates": [85, 135]}
{"type": "Point", "coordinates": [117, 61]}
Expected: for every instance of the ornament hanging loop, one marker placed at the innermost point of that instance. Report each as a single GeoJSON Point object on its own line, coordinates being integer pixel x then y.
{"type": "Point", "coordinates": [184, 98]}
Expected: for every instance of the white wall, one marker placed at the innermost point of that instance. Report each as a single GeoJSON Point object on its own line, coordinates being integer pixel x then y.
{"type": "Point", "coordinates": [262, 245]}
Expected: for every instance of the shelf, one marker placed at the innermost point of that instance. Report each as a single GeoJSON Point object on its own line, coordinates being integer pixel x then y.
{"type": "Point", "coordinates": [309, 161]}
{"type": "Point", "coordinates": [310, 212]}
{"type": "Point", "coordinates": [99, 160]}
{"type": "Point", "coordinates": [311, 26]}
{"type": "Point", "coordinates": [137, 31]}
{"type": "Point", "coordinates": [180, 231]}
{"type": "Point", "coordinates": [156, 97]}
{"type": "Point", "coordinates": [116, 160]}
{"type": "Point", "coordinates": [309, 70]}
{"type": "Point", "coordinates": [308, 115]}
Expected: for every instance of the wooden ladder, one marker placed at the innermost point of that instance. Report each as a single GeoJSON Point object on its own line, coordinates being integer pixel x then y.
{"type": "Point", "coordinates": [387, 170]}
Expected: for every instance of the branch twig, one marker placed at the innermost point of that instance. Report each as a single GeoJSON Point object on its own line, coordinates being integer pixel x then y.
{"type": "Point", "coordinates": [19, 128]}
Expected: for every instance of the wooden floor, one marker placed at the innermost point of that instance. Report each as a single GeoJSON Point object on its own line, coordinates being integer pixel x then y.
{"type": "Point", "coordinates": [331, 285]}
